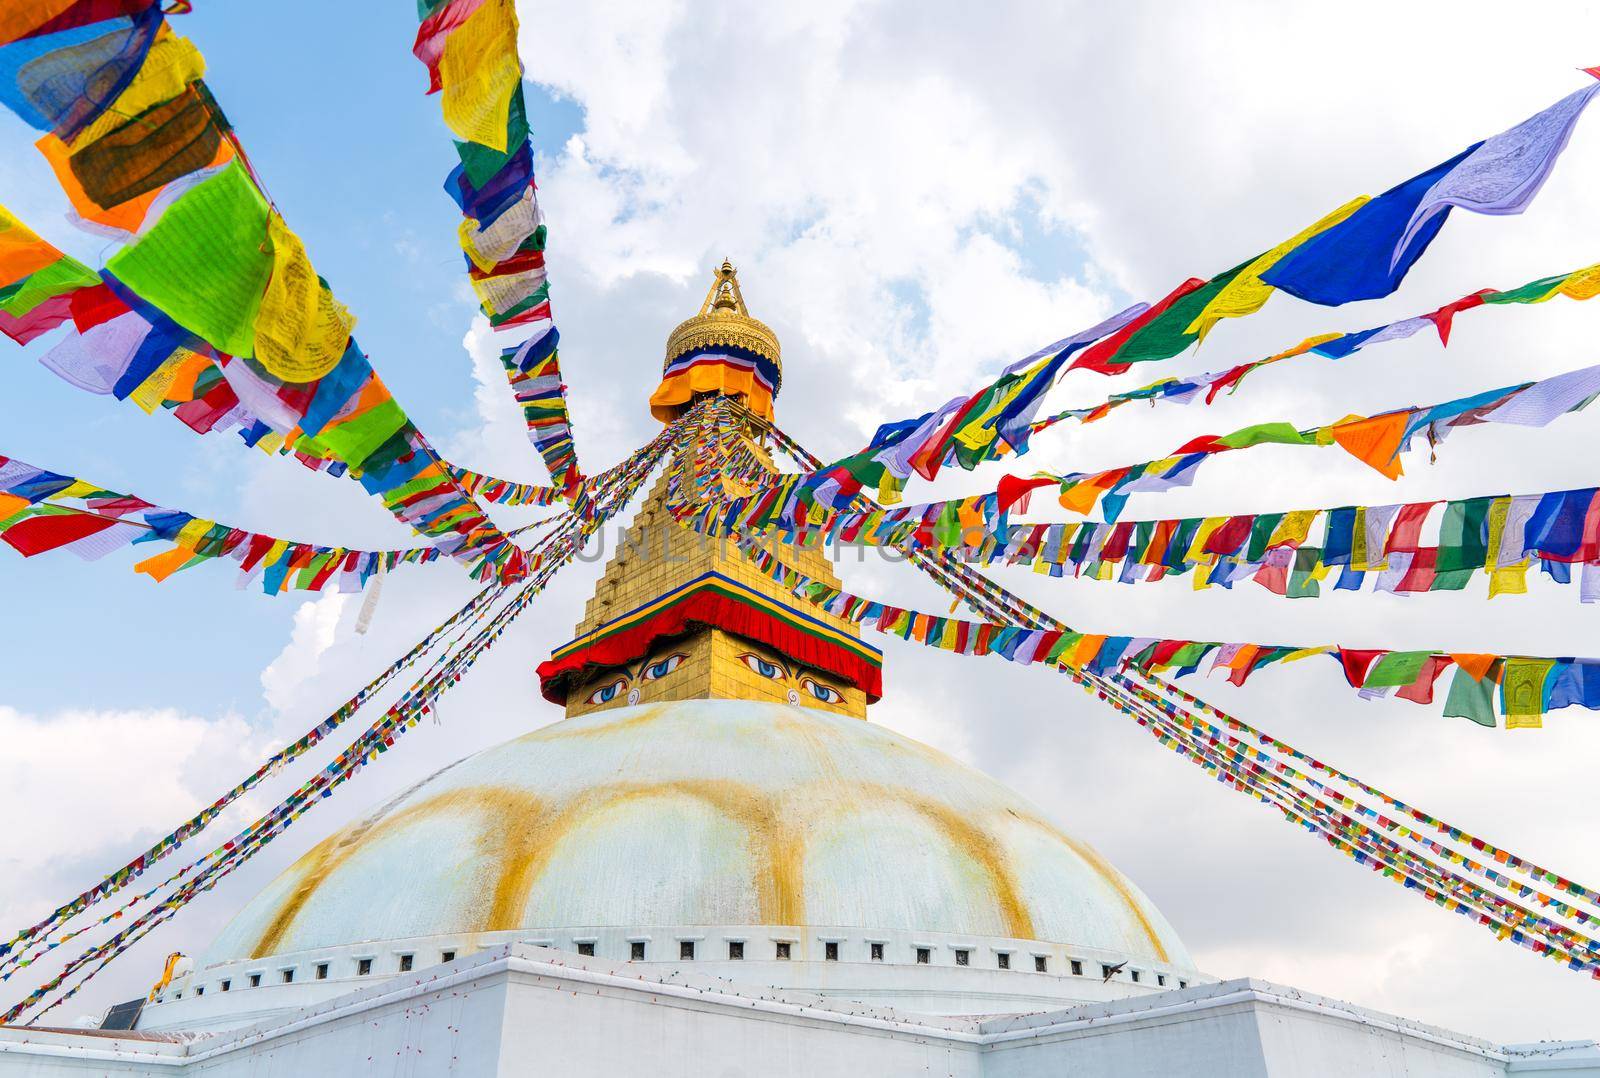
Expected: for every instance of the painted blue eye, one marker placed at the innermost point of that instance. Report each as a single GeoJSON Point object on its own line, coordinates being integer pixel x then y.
{"type": "Point", "coordinates": [664, 667]}
{"type": "Point", "coordinates": [822, 692]}
{"type": "Point", "coordinates": [771, 671]}
{"type": "Point", "coordinates": [609, 693]}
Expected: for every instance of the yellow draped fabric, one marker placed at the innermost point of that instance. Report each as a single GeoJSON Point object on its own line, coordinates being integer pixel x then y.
{"type": "Point", "coordinates": [480, 72]}
{"type": "Point", "coordinates": [301, 330]}
{"type": "Point", "coordinates": [677, 390]}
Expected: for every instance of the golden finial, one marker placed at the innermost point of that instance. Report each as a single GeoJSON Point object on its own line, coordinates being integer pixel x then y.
{"type": "Point", "coordinates": [725, 321]}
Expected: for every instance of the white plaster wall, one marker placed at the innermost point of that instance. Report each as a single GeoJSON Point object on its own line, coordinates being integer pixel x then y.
{"type": "Point", "coordinates": [940, 987]}
{"type": "Point", "coordinates": [526, 1010]}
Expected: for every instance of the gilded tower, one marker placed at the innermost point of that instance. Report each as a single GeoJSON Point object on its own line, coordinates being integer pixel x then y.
{"type": "Point", "coordinates": [678, 616]}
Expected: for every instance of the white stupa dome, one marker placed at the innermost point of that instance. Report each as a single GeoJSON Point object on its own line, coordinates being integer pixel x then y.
{"type": "Point", "coordinates": [705, 821]}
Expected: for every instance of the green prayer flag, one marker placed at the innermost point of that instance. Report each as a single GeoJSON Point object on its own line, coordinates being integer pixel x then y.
{"type": "Point", "coordinates": [1395, 669]}
{"type": "Point", "coordinates": [1261, 534]}
{"type": "Point", "coordinates": [1167, 335]}
{"type": "Point", "coordinates": [1528, 293]}
{"type": "Point", "coordinates": [207, 261]}
{"type": "Point", "coordinates": [1470, 698]}
{"type": "Point", "coordinates": [1463, 543]}
{"type": "Point", "coordinates": [1284, 433]}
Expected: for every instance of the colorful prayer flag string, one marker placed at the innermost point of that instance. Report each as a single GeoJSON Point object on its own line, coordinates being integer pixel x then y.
{"type": "Point", "coordinates": [470, 50]}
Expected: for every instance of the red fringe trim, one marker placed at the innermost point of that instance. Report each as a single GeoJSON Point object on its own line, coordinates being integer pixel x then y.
{"type": "Point", "coordinates": [711, 610]}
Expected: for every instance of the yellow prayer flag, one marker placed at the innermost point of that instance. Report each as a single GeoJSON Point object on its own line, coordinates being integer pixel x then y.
{"type": "Point", "coordinates": [191, 533]}
{"type": "Point", "coordinates": [301, 330]}
{"type": "Point", "coordinates": [1081, 496]}
{"type": "Point", "coordinates": [1509, 580]}
{"type": "Point", "coordinates": [480, 72]}
{"type": "Point", "coordinates": [1197, 548]}
{"type": "Point", "coordinates": [1583, 284]}
{"type": "Point", "coordinates": [1293, 528]}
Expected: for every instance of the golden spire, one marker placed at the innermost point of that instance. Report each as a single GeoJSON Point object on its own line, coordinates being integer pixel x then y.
{"type": "Point", "coordinates": [721, 350]}
{"type": "Point", "coordinates": [724, 320]}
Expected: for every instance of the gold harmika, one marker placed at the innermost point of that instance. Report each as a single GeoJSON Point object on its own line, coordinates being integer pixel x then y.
{"type": "Point", "coordinates": [724, 320]}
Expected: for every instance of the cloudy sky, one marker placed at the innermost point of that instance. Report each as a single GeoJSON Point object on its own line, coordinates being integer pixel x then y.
{"type": "Point", "coordinates": [915, 194]}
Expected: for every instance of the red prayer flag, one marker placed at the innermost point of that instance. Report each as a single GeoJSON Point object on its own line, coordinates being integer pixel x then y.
{"type": "Point", "coordinates": [1357, 662]}
{"type": "Point", "coordinates": [35, 535]}
{"type": "Point", "coordinates": [1012, 489]}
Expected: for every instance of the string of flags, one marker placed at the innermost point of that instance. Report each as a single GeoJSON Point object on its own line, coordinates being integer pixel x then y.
{"type": "Point", "coordinates": [1527, 686]}
{"type": "Point", "coordinates": [1237, 755]}
{"type": "Point", "coordinates": [470, 50]}
{"type": "Point", "coordinates": [799, 506]}
{"type": "Point", "coordinates": [1581, 284]}
{"type": "Point", "coordinates": [1404, 548]}
{"type": "Point", "coordinates": [211, 296]}
{"type": "Point", "coordinates": [1361, 250]}
{"type": "Point", "coordinates": [413, 705]}
{"type": "Point", "coordinates": [33, 521]}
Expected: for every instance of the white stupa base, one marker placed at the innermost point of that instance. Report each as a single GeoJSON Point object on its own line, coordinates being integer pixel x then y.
{"type": "Point", "coordinates": [523, 1009]}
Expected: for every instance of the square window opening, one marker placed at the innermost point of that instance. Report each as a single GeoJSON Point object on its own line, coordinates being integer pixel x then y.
{"type": "Point", "coordinates": [1003, 960]}
{"type": "Point", "coordinates": [924, 955]}
{"type": "Point", "coordinates": [447, 956]}
{"type": "Point", "coordinates": [686, 950]}
{"type": "Point", "coordinates": [1183, 984]}
{"type": "Point", "coordinates": [200, 990]}
{"type": "Point", "coordinates": [1161, 979]}
{"type": "Point", "coordinates": [1040, 963]}
{"type": "Point", "coordinates": [736, 950]}
{"type": "Point", "coordinates": [224, 986]}
{"type": "Point", "coordinates": [406, 962]}
{"type": "Point", "coordinates": [962, 956]}
{"type": "Point", "coordinates": [636, 951]}
{"type": "Point", "coordinates": [1077, 968]}
{"type": "Point", "coordinates": [255, 980]}
{"type": "Point", "coordinates": [830, 951]}
{"type": "Point", "coordinates": [784, 951]}
{"type": "Point", "coordinates": [288, 976]}
{"type": "Point", "coordinates": [363, 967]}
{"type": "Point", "coordinates": [877, 952]}
{"type": "Point", "coordinates": [1107, 972]}
{"type": "Point", "coordinates": [586, 948]}
{"type": "Point", "coordinates": [322, 971]}
{"type": "Point", "coordinates": [1133, 973]}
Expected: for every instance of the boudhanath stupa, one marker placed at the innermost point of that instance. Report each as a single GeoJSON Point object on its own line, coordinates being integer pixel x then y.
{"type": "Point", "coordinates": [715, 863]}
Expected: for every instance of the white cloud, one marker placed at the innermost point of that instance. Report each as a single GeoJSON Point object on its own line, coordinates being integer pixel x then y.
{"type": "Point", "coordinates": [92, 786]}
{"type": "Point", "coordinates": [316, 627]}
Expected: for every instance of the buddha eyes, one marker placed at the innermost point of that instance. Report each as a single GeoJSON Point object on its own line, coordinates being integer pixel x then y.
{"type": "Point", "coordinates": [663, 667]}
{"type": "Point", "coordinates": [609, 693]}
{"type": "Point", "coordinates": [766, 669]}
{"type": "Point", "coordinates": [822, 692]}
